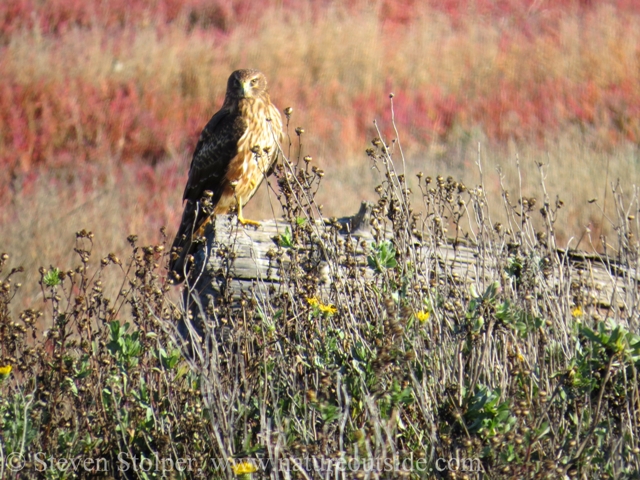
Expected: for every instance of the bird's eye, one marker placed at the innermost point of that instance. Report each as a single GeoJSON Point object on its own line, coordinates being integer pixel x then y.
{"type": "Point", "coordinates": [254, 82]}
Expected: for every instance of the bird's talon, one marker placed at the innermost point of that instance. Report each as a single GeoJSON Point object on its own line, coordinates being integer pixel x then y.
{"type": "Point", "coordinates": [246, 221]}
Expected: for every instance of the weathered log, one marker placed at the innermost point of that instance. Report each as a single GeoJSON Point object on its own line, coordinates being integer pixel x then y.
{"type": "Point", "coordinates": [237, 259]}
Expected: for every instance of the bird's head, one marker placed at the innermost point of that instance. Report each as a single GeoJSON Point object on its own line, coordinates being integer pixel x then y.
{"type": "Point", "coordinates": [246, 84]}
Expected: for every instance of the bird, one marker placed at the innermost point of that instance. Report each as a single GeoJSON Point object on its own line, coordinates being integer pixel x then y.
{"type": "Point", "coordinates": [236, 150]}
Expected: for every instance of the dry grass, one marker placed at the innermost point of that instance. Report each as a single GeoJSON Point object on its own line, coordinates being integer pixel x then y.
{"type": "Point", "coordinates": [396, 360]}
{"type": "Point", "coordinates": [452, 75]}
{"type": "Point", "coordinates": [40, 223]}
{"type": "Point", "coordinates": [104, 90]}
{"type": "Point", "coordinates": [100, 107]}
{"type": "Point", "coordinates": [112, 202]}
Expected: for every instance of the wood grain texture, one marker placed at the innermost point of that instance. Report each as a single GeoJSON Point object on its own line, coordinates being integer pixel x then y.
{"type": "Point", "coordinates": [240, 259]}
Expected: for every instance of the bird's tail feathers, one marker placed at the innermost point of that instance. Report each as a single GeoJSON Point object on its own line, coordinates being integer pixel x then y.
{"type": "Point", "coordinates": [191, 226]}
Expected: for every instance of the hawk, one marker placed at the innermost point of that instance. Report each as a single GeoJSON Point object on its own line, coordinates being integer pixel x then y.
{"type": "Point", "coordinates": [235, 151]}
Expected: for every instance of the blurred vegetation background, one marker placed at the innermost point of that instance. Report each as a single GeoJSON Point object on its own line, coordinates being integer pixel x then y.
{"type": "Point", "coordinates": [523, 117]}
{"type": "Point", "coordinates": [101, 104]}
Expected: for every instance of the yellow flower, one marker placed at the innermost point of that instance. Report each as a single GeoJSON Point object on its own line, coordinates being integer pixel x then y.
{"type": "Point", "coordinates": [243, 468]}
{"type": "Point", "coordinates": [330, 309]}
{"type": "Point", "coordinates": [6, 370]}
{"type": "Point", "coordinates": [314, 302]}
{"type": "Point", "coordinates": [577, 312]}
{"type": "Point", "coordinates": [423, 316]}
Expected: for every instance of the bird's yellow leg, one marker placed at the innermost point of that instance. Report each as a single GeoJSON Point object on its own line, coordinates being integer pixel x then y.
{"type": "Point", "coordinates": [241, 219]}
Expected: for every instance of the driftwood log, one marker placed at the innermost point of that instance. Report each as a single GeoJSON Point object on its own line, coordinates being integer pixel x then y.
{"type": "Point", "coordinates": [237, 259]}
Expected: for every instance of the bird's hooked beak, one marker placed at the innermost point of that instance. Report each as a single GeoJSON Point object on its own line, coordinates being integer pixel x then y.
{"type": "Point", "coordinates": [246, 88]}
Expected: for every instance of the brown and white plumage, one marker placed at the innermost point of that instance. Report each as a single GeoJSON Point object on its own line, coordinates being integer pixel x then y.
{"type": "Point", "coordinates": [235, 151]}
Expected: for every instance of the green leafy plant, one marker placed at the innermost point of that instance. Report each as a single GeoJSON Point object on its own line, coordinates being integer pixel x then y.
{"type": "Point", "coordinates": [383, 257]}
{"type": "Point", "coordinates": [52, 277]}
{"type": "Point", "coordinates": [285, 239]}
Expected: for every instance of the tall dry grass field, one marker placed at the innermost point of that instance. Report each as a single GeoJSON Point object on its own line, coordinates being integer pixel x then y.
{"type": "Point", "coordinates": [101, 104]}
{"type": "Point", "coordinates": [514, 124]}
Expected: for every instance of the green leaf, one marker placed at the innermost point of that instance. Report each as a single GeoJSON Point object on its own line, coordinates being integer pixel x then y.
{"type": "Point", "coordinates": [72, 385]}
{"type": "Point", "coordinates": [543, 430]}
{"type": "Point", "coordinates": [286, 239]}
{"type": "Point", "coordinates": [52, 278]}
{"type": "Point", "coordinates": [383, 257]}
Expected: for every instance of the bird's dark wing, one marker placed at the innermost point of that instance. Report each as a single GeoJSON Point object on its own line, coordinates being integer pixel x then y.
{"type": "Point", "coordinates": [217, 146]}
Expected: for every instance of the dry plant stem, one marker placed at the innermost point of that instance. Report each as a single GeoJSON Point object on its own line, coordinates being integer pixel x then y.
{"type": "Point", "coordinates": [596, 418]}
{"type": "Point", "coordinates": [374, 343]}
{"type": "Point", "coordinates": [397, 134]}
